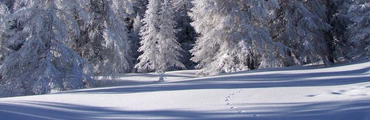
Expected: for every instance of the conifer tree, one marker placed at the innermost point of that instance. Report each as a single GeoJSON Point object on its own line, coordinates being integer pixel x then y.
{"type": "Point", "coordinates": [302, 29]}
{"type": "Point", "coordinates": [359, 31]}
{"type": "Point", "coordinates": [104, 38]}
{"type": "Point", "coordinates": [161, 51]}
{"type": "Point", "coordinates": [38, 60]}
{"type": "Point", "coordinates": [234, 36]}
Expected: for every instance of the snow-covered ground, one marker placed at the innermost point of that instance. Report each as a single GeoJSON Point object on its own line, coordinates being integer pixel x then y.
{"type": "Point", "coordinates": [339, 92]}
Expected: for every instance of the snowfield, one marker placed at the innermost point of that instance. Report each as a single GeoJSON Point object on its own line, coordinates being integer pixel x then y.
{"type": "Point", "coordinates": [339, 92]}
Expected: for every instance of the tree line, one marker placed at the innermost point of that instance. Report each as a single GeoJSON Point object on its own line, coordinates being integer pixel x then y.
{"type": "Point", "coordinates": [60, 45]}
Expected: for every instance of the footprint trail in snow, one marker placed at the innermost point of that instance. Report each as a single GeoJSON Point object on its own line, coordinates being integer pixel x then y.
{"type": "Point", "coordinates": [229, 103]}
{"type": "Point", "coordinates": [354, 91]}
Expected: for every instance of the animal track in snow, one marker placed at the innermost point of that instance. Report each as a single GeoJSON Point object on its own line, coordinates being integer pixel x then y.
{"type": "Point", "coordinates": [355, 91]}
{"type": "Point", "coordinates": [228, 101]}
{"type": "Point", "coordinates": [311, 95]}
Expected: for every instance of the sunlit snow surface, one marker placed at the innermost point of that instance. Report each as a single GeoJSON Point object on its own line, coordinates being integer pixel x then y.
{"type": "Point", "coordinates": [339, 92]}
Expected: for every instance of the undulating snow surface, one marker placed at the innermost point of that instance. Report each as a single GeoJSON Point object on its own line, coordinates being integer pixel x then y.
{"type": "Point", "coordinates": [339, 92]}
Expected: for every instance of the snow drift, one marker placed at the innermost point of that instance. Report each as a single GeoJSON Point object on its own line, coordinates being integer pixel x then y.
{"type": "Point", "coordinates": [338, 92]}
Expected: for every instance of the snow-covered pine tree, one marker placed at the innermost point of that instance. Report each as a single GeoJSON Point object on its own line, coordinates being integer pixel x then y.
{"type": "Point", "coordinates": [10, 46]}
{"type": "Point", "coordinates": [302, 30]}
{"type": "Point", "coordinates": [234, 36]}
{"type": "Point", "coordinates": [148, 34]}
{"type": "Point", "coordinates": [359, 31]}
{"type": "Point", "coordinates": [320, 9]}
{"type": "Point", "coordinates": [39, 62]}
{"type": "Point", "coordinates": [76, 18]}
{"type": "Point", "coordinates": [104, 43]}
{"type": "Point", "coordinates": [161, 51]}
{"type": "Point", "coordinates": [169, 48]}
{"type": "Point", "coordinates": [117, 33]}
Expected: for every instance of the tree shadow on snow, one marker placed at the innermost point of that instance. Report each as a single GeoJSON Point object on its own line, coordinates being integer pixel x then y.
{"type": "Point", "coordinates": [334, 110]}
{"type": "Point", "coordinates": [40, 110]}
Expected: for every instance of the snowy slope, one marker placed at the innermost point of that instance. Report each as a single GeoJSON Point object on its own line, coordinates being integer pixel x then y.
{"type": "Point", "coordinates": [340, 92]}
